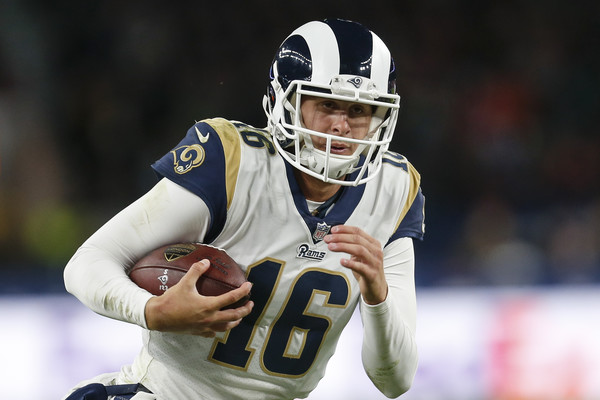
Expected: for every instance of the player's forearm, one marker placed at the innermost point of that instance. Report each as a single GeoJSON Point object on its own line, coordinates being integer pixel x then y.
{"type": "Point", "coordinates": [96, 274]}
{"type": "Point", "coordinates": [389, 350]}
{"type": "Point", "coordinates": [102, 285]}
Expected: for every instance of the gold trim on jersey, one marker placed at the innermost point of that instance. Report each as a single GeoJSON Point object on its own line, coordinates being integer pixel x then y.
{"type": "Point", "coordinates": [311, 302]}
{"type": "Point", "coordinates": [248, 347]}
{"type": "Point", "coordinates": [230, 139]}
{"type": "Point", "coordinates": [415, 181]}
{"type": "Point", "coordinates": [293, 350]}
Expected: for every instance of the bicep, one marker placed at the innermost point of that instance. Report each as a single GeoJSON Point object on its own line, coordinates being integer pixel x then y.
{"type": "Point", "coordinates": [168, 213]}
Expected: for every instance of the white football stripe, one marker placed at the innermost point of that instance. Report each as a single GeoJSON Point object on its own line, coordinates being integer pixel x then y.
{"type": "Point", "coordinates": [380, 67]}
{"type": "Point", "coordinates": [323, 46]}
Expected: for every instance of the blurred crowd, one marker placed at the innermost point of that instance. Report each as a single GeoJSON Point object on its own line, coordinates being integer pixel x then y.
{"type": "Point", "coordinates": [499, 113]}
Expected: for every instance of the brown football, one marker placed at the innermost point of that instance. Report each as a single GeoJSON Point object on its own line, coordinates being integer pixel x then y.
{"type": "Point", "coordinates": [164, 267]}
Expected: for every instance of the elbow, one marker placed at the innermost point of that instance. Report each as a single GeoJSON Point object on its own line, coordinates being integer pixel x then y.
{"type": "Point", "coordinates": [72, 274]}
{"type": "Point", "coordinates": [399, 387]}
{"type": "Point", "coordinates": [393, 383]}
{"type": "Point", "coordinates": [69, 276]}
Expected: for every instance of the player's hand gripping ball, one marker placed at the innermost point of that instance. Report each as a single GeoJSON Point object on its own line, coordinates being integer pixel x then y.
{"type": "Point", "coordinates": [164, 267]}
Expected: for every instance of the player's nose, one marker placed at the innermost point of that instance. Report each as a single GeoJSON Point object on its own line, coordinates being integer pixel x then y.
{"type": "Point", "coordinates": [340, 125]}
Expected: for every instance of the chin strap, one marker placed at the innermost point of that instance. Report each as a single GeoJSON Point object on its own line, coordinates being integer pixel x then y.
{"type": "Point", "coordinates": [315, 161]}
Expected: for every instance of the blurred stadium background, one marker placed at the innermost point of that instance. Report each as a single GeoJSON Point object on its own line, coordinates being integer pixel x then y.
{"type": "Point", "coordinates": [500, 114]}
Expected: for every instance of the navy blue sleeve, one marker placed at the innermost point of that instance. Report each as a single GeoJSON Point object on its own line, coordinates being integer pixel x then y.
{"type": "Point", "coordinates": [199, 166]}
{"type": "Point", "coordinates": [413, 223]}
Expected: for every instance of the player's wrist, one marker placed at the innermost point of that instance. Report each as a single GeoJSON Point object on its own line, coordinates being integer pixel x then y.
{"type": "Point", "coordinates": [150, 313]}
{"type": "Point", "coordinates": [374, 299]}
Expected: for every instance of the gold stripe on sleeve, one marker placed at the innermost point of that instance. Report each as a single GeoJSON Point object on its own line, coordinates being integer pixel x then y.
{"type": "Point", "coordinates": [230, 139]}
{"type": "Point", "coordinates": [415, 181]}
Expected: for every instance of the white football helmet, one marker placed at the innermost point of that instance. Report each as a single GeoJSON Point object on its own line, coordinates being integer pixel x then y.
{"type": "Point", "coordinates": [334, 59]}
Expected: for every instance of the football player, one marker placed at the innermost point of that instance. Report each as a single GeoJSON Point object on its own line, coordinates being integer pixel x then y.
{"type": "Point", "coordinates": [317, 210]}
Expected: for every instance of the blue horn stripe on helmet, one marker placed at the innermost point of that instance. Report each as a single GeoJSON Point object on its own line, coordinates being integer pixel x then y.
{"type": "Point", "coordinates": [355, 45]}
{"type": "Point", "coordinates": [293, 61]}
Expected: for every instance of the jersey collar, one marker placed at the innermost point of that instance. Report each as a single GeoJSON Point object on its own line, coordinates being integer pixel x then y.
{"type": "Point", "coordinates": [341, 205]}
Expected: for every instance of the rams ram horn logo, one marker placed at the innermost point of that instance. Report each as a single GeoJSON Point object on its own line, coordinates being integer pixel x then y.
{"type": "Point", "coordinates": [356, 81]}
{"type": "Point", "coordinates": [186, 158]}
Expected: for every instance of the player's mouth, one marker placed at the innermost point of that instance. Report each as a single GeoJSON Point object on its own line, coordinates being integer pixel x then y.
{"type": "Point", "coordinates": [340, 148]}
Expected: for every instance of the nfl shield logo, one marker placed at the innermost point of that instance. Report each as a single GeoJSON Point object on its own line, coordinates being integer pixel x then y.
{"type": "Point", "coordinates": [321, 231]}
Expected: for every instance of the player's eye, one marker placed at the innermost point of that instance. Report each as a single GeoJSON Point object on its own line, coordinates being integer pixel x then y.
{"type": "Point", "coordinates": [330, 105]}
{"type": "Point", "coordinates": [359, 110]}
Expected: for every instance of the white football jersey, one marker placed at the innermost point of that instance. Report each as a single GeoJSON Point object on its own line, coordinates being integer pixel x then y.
{"type": "Point", "coordinates": [303, 296]}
